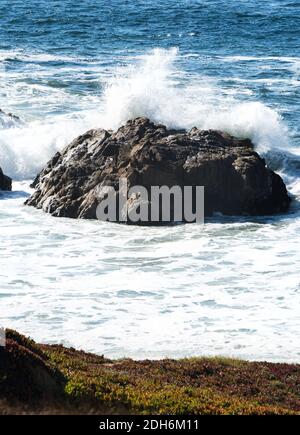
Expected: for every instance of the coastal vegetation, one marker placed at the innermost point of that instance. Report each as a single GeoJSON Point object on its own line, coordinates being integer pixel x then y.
{"type": "Point", "coordinates": [38, 378]}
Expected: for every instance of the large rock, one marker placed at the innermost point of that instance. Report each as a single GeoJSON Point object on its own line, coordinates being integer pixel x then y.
{"type": "Point", "coordinates": [236, 179]}
{"type": "Point", "coordinates": [5, 181]}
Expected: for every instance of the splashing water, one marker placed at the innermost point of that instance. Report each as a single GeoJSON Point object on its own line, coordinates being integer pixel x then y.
{"type": "Point", "coordinates": [155, 87]}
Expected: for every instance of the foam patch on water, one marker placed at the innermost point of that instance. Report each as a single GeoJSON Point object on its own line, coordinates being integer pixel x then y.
{"type": "Point", "coordinates": [22, 56]}
{"type": "Point", "coordinates": [230, 288]}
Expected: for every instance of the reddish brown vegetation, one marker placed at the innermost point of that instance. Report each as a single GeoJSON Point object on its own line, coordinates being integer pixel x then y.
{"type": "Point", "coordinates": [53, 379]}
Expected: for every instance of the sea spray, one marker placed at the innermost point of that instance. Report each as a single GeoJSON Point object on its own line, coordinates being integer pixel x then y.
{"type": "Point", "coordinates": [155, 87]}
{"type": "Point", "coordinates": [151, 85]}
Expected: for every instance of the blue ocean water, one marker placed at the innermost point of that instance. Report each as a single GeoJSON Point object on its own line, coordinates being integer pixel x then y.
{"type": "Point", "coordinates": [256, 42]}
{"type": "Point", "coordinates": [67, 66]}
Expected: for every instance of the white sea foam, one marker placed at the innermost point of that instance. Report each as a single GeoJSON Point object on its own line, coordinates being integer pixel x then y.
{"type": "Point", "coordinates": [229, 289]}
{"type": "Point", "coordinates": [261, 58]}
{"type": "Point", "coordinates": [22, 55]}
{"type": "Point", "coordinates": [24, 151]}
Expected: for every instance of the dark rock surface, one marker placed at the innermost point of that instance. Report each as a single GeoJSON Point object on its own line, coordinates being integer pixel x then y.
{"type": "Point", "coordinates": [5, 181]}
{"type": "Point", "coordinates": [236, 179]}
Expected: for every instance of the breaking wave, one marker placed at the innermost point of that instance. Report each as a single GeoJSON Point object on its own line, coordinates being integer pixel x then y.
{"type": "Point", "coordinates": [154, 86]}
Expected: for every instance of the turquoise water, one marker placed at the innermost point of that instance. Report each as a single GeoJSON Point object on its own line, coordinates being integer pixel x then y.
{"type": "Point", "coordinates": [68, 66]}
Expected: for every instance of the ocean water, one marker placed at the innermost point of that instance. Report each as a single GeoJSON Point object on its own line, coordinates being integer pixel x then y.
{"type": "Point", "coordinates": [230, 288]}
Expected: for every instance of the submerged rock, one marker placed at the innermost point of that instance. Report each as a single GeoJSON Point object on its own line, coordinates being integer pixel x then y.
{"type": "Point", "coordinates": [8, 120]}
{"type": "Point", "coordinates": [236, 179]}
{"type": "Point", "coordinates": [5, 181]}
